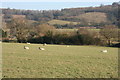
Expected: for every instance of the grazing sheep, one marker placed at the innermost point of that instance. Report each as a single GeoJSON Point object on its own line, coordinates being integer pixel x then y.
{"type": "Point", "coordinates": [104, 51]}
{"type": "Point", "coordinates": [68, 46]}
{"type": "Point", "coordinates": [25, 47]}
{"type": "Point", "coordinates": [28, 43]}
{"type": "Point", "coordinates": [44, 44]}
{"type": "Point", "coordinates": [41, 48]}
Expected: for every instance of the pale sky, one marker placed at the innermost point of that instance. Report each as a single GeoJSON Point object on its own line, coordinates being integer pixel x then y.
{"type": "Point", "coordinates": [52, 4]}
{"type": "Point", "coordinates": [59, 0]}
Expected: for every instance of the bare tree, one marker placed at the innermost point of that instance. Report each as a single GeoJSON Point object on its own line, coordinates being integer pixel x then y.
{"type": "Point", "coordinates": [110, 33]}
{"type": "Point", "coordinates": [18, 29]}
{"type": "Point", "coordinates": [43, 28]}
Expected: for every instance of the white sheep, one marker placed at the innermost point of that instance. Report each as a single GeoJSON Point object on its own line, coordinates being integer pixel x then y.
{"type": "Point", "coordinates": [28, 43]}
{"type": "Point", "coordinates": [68, 46]}
{"type": "Point", "coordinates": [104, 51]}
{"type": "Point", "coordinates": [25, 47]}
{"type": "Point", "coordinates": [41, 48]}
{"type": "Point", "coordinates": [44, 44]}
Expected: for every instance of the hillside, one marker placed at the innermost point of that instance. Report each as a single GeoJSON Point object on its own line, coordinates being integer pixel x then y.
{"type": "Point", "coordinates": [18, 16]}
{"type": "Point", "coordinates": [96, 17]}
{"type": "Point", "coordinates": [60, 22]}
{"type": "Point", "coordinates": [105, 14]}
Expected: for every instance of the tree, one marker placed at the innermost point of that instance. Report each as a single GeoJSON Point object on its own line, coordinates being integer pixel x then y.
{"type": "Point", "coordinates": [2, 33]}
{"type": "Point", "coordinates": [109, 32]}
{"type": "Point", "coordinates": [49, 36]}
{"type": "Point", "coordinates": [18, 29]}
{"type": "Point", "coordinates": [43, 28]}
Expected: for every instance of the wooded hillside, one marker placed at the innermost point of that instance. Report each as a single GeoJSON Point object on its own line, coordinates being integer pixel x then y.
{"type": "Point", "coordinates": [89, 16]}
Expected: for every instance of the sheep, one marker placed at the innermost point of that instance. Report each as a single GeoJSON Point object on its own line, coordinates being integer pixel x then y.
{"type": "Point", "coordinates": [44, 44]}
{"type": "Point", "coordinates": [25, 47]}
{"type": "Point", "coordinates": [104, 51]}
{"type": "Point", "coordinates": [68, 46]}
{"type": "Point", "coordinates": [41, 48]}
{"type": "Point", "coordinates": [0, 41]}
{"type": "Point", "coordinates": [28, 43]}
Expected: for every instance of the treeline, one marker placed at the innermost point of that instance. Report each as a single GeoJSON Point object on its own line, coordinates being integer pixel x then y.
{"type": "Point", "coordinates": [72, 26]}
{"type": "Point", "coordinates": [76, 39]}
{"type": "Point", "coordinates": [66, 14]}
{"type": "Point", "coordinates": [19, 31]}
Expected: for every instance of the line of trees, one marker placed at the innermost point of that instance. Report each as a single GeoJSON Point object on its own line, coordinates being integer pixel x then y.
{"type": "Point", "coordinates": [45, 33]}
{"type": "Point", "coordinates": [76, 38]}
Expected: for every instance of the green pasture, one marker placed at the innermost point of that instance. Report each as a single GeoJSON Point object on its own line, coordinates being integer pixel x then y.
{"type": "Point", "coordinates": [58, 61]}
{"type": "Point", "coordinates": [60, 22]}
{"type": "Point", "coordinates": [73, 30]}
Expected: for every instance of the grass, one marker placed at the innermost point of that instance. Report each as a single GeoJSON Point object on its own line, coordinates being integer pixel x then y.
{"type": "Point", "coordinates": [65, 30]}
{"type": "Point", "coordinates": [60, 22]}
{"type": "Point", "coordinates": [97, 30]}
{"type": "Point", "coordinates": [96, 17]}
{"type": "Point", "coordinates": [73, 30]}
{"type": "Point", "coordinates": [58, 61]}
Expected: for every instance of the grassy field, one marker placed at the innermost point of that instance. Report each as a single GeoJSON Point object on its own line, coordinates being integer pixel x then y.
{"type": "Point", "coordinates": [58, 61]}
{"type": "Point", "coordinates": [61, 22]}
{"type": "Point", "coordinates": [96, 17]}
{"type": "Point", "coordinates": [73, 30]}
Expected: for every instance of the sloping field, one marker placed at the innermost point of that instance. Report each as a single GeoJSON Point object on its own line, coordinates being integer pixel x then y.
{"type": "Point", "coordinates": [58, 61]}
{"type": "Point", "coordinates": [18, 16]}
{"type": "Point", "coordinates": [96, 17]}
{"type": "Point", "coordinates": [60, 22]}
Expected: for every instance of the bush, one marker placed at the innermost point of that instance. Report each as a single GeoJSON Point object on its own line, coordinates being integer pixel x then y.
{"type": "Point", "coordinates": [76, 39]}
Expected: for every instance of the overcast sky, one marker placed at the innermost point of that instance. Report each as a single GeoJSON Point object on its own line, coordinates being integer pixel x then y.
{"type": "Point", "coordinates": [52, 4]}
